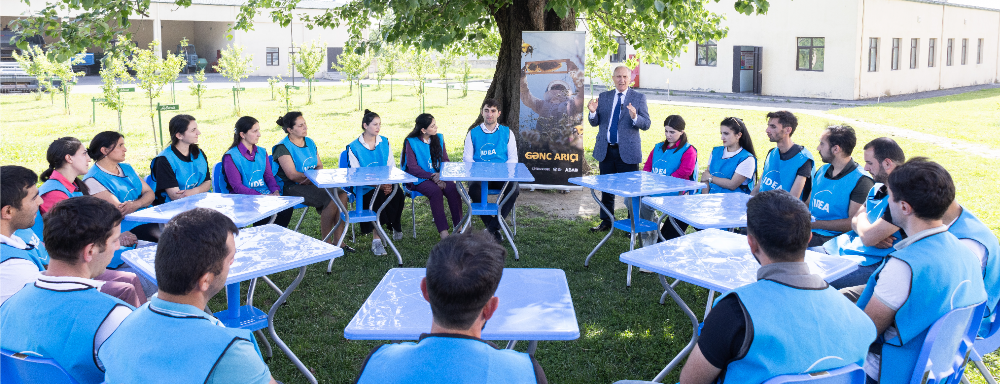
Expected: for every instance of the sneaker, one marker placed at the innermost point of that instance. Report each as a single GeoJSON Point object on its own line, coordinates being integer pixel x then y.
{"type": "Point", "coordinates": [397, 235]}
{"type": "Point", "coordinates": [497, 236]}
{"type": "Point", "coordinates": [377, 248]}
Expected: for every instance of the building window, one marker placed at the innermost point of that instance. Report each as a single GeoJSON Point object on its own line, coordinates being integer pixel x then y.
{"type": "Point", "coordinates": [271, 58]}
{"type": "Point", "coordinates": [811, 53]}
{"type": "Point", "coordinates": [895, 54]}
{"type": "Point", "coordinates": [914, 47]}
{"type": "Point", "coordinates": [979, 54]}
{"type": "Point", "coordinates": [708, 54]}
{"type": "Point", "coordinates": [619, 56]}
{"type": "Point", "coordinates": [965, 50]}
{"type": "Point", "coordinates": [931, 52]}
{"type": "Point", "coordinates": [873, 54]}
{"type": "Point", "coordinates": [948, 53]}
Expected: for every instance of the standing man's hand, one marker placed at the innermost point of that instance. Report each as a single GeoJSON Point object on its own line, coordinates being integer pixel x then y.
{"type": "Point", "coordinates": [592, 105]}
{"type": "Point", "coordinates": [631, 111]}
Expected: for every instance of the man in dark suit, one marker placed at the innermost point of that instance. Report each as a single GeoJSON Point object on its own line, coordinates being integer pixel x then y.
{"type": "Point", "coordinates": [621, 113]}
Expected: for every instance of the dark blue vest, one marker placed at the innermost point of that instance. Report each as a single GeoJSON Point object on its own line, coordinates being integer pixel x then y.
{"type": "Point", "coordinates": [252, 172]}
{"type": "Point", "coordinates": [422, 151]}
{"type": "Point", "coordinates": [781, 174]}
{"type": "Point", "coordinates": [831, 199]}
{"type": "Point", "coordinates": [189, 174]}
{"type": "Point", "coordinates": [968, 226]}
{"type": "Point", "coordinates": [490, 147]}
{"type": "Point", "coordinates": [439, 359]}
{"type": "Point", "coordinates": [726, 168]}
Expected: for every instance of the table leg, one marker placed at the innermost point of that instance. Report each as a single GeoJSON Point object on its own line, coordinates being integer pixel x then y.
{"type": "Point", "coordinates": [501, 200]}
{"type": "Point", "coordinates": [532, 346]}
{"type": "Point", "coordinates": [233, 300]}
{"type": "Point", "coordinates": [633, 210]}
{"type": "Point", "coordinates": [511, 344]}
{"type": "Point", "coordinates": [378, 223]}
{"type": "Point", "coordinates": [335, 196]}
{"type": "Point", "coordinates": [467, 218]}
{"type": "Point", "coordinates": [708, 305]}
{"type": "Point", "coordinates": [267, 344]}
{"type": "Point", "coordinates": [694, 332]}
{"type": "Point", "coordinates": [610, 231]}
{"type": "Point", "coordinates": [277, 340]}
{"type": "Point", "coordinates": [663, 297]}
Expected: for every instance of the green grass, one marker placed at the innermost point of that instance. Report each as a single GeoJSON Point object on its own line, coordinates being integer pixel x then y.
{"type": "Point", "coordinates": [624, 333]}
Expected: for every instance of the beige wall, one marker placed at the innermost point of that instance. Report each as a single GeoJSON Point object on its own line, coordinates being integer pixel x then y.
{"type": "Point", "coordinates": [267, 34]}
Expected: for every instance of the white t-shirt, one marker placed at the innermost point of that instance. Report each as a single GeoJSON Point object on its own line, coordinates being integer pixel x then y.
{"type": "Point", "coordinates": [15, 273]}
{"type": "Point", "coordinates": [746, 168]}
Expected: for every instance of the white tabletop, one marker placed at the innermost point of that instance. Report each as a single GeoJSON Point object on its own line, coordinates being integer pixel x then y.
{"type": "Point", "coordinates": [243, 210]}
{"type": "Point", "coordinates": [721, 261]}
{"type": "Point", "coordinates": [535, 304]}
{"type": "Point", "coordinates": [636, 184]}
{"type": "Point", "coordinates": [486, 172]}
{"type": "Point", "coordinates": [260, 251]}
{"type": "Point", "coordinates": [355, 177]}
{"type": "Point", "coordinates": [702, 211]}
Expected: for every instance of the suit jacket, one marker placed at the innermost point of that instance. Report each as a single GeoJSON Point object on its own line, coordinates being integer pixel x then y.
{"type": "Point", "coordinates": [629, 143]}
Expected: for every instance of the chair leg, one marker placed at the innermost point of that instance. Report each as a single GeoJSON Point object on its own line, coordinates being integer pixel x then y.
{"type": "Point", "coordinates": [513, 218]}
{"type": "Point", "coordinates": [414, 213]}
{"type": "Point", "coordinates": [985, 372]}
{"type": "Point", "coordinates": [304, 212]}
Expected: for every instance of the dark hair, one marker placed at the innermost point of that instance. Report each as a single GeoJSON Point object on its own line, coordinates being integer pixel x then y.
{"type": "Point", "coordinates": [243, 125]}
{"type": "Point", "coordinates": [677, 123]}
{"type": "Point", "coordinates": [736, 125]}
{"type": "Point", "coordinates": [287, 121]}
{"type": "Point", "coordinates": [924, 185]}
{"type": "Point", "coordinates": [56, 156]}
{"type": "Point", "coordinates": [785, 118]}
{"type": "Point", "coordinates": [780, 223]}
{"type": "Point", "coordinates": [423, 121]}
{"type": "Point", "coordinates": [367, 118]}
{"type": "Point", "coordinates": [463, 272]}
{"type": "Point", "coordinates": [843, 137]}
{"type": "Point", "coordinates": [886, 148]}
{"type": "Point", "coordinates": [74, 223]}
{"type": "Point", "coordinates": [106, 139]}
{"type": "Point", "coordinates": [14, 183]}
{"type": "Point", "coordinates": [490, 102]}
{"type": "Point", "coordinates": [193, 243]}
{"type": "Point", "coordinates": [180, 124]}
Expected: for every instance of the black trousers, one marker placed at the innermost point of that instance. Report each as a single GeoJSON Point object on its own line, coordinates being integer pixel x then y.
{"type": "Point", "coordinates": [284, 217]}
{"type": "Point", "coordinates": [613, 164]}
{"type": "Point", "coordinates": [491, 222]}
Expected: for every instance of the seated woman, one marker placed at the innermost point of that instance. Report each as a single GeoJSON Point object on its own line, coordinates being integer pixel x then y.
{"type": "Point", "coordinates": [182, 169]}
{"type": "Point", "coordinates": [372, 150]}
{"type": "Point", "coordinates": [68, 160]}
{"type": "Point", "coordinates": [423, 152]}
{"type": "Point", "coordinates": [733, 166]}
{"type": "Point", "coordinates": [673, 157]}
{"type": "Point", "coordinates": [296, 154]}
{"type": "Point", "coordinates": [246, 169]}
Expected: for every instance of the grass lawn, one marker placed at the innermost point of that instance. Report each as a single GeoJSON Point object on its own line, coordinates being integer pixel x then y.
{"type": "Point", "coordinates": [624, 333]}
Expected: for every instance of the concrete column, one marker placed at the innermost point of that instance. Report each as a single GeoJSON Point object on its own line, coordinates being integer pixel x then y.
{"type": "Point", "coordinates": [158, 33]}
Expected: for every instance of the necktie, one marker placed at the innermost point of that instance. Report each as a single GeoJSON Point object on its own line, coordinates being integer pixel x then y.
{"type": "Point", "coordinates": [614, 119]}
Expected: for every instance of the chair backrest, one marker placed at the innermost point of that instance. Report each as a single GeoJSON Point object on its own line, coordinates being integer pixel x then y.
{"type": "Point", "coordinates": [850, 374]}
{"type": "Point", "coordinates": [219, 180]}
{"type": "Point", "coordinates": [18, 368]}
{"type": "Point", "coordinates": [344, 162]}
{"type": "Point", "coordinates": [274, 172]}
{"type": "Point", "coordinates": [39, 226]}
{"type": "Point", "coordinates": [947, 346]}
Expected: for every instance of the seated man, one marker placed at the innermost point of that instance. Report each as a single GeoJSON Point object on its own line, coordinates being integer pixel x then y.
{"type": "Point", "coordinates": [463, 272]}
{"type": "Point", "coordinates": [871, 235]}
{"type": "Point", "coordinates": [927, 275]}
{"type": "Point", "coordinates": [839, 187]}
{"type": "Point", "coordinates": [171, 339]}
{"type": "Point", "coordinates": [492, 142]}
{"type": "Point", "coordinates": [789, 321]}
{"type": "Point", "coordinates": [62, 315]}
{"type": "Point", "coordinates": [984, 245]}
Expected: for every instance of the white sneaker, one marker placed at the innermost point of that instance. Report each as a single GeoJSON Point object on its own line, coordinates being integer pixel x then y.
{"type": "Point", "coordinates": [397, 235]}
{"type": "Point", "coordinates": [377, 248]}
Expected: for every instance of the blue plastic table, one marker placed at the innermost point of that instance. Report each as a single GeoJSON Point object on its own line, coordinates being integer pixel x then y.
{"type": "Point", "coordinates": [720, 261]}
{"type": "Point", "coordinates": [535, 304]}
{"type": "Point", "coordinates": [260, 251]}
{"type": "Point", "coordinates": [486, 172]}
{"type": "Point", "coordinates": [242, 209]}
{"type": "Point", "coordinates": [703, 211]}
{"type": "Point", "coordinates": [632, 185]}
{"type": "Point", "coordinates": [337, 178]}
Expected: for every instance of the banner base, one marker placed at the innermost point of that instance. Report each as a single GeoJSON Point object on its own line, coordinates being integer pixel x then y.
{"type": "Point", "coordinates": [566, 188]}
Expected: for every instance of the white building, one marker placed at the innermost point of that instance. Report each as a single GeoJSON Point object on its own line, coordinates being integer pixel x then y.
{"type": "Point", "coordinates": [841, 49]}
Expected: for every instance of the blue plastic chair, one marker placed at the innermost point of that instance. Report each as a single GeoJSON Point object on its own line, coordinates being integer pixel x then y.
{"type": "Point", "coordinates": [850, 374]}
{"type": "Point", "coordinates": [218, 182]}
{"type": "Point", "coordinates": [413, 195]}
{"type": "Point", "coordinates": [982, 346]}
{"type": "Point", "coordinates": [947, 346]}
{"type": "Point", "coordinates": [17, 367]}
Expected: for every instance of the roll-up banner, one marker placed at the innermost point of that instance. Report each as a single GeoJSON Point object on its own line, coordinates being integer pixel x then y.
{"type": "Point", "coordinates": [552, 104]}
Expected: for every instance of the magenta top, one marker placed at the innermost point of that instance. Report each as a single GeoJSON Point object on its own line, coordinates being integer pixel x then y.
{"type": "Point", "coordinates": [688, 159]}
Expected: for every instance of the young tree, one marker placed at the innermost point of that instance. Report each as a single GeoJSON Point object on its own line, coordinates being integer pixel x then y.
{"type": "Point", "coordinates": [354, 65]}
{"type": "Point", "coordinates": [598, 68]}
{"type": "Point", "coordinates": [114, 73]}
{"type": "Point", "coordinates": [64, 71]}
{"type": "Point", "coordinates": [235, 67]}
{"type": "Point", "coordinates": [308, 61]}
{"type": "Point", "coordinates": [388, 56]}
{"type": "Point", "coordinates": [36, 64]}
{"type": "Point", "coordinates": [272, 81]}
{"type": "Point", "coordinates": [197, 89]}
{"type": "Point", "coordinates": [446, 59]}
{"type": "Point", "coordinates": [152, 72]}
{"type": "Point", "coordinates": [418, 64]}
{"type": "Point", "coordinates": [466, 75]}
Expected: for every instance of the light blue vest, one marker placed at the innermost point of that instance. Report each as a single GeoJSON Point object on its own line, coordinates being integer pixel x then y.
{"type": "Point", "coordinates": [666, 163]}
{"type": "Point", "coordinates": [726, 168]}
{"type": "Point", "coordinates": [831, 199]}
{"type": "Point", "coordinates": [968, 226]}
{"type": "Point", "coordinates": [781, 174]}
{"type": "Point", "coordinates": [851, 244]}
{"type": "Point", "coordinates": [422, 151]}
{"type": "Point", "coordinates": [54, 185]}
{"type": "Point", "coordinates": [304, 158]}
{"type": "Point", "coordinates": [151, 347]}
{"type": "Point", "coordinates": [798, 331]}
{"type": "Point", "coordinates": [60, 325]}
{"type": "Point", "coordinates": [125, 188]}
{"type": "Point", "coordinates": [945, 276]}
{"type": "Point", "coordinates": [378, 157]}
{"type": "Point", "coordinates": [490, 147]}
{"type": "Point", "coordinates": [35, 253]}
{"type": "Point", "coordinates": [437, 359]}
{"type": "Point", "coordinates": [189, 174]}
{"type": "Point", "coordinates": [252, 173]}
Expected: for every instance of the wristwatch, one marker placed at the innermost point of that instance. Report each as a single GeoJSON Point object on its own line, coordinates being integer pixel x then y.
{"type": "Point", "coordinates": [710, 180]}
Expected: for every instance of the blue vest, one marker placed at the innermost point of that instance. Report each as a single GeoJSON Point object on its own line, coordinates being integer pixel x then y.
{"type": "Point", "coordinates": [422, 151]}
{"type": "Point", "coordinates": [189, 174]}
{"type": "Point", "coordinates": [726, 168]}
{"type": "Point", "coordinates": [125, 188]}
{"type": "Point", "coordinates": [967, 226]}
{"type": "Point", "coordinates": [490, 147]}
{"type": "Point", "coordinates": [945, 276]}
{"type": "Point", "coordinates": [35, 253]}
{"type": "Point", "coordinates": [781, 174]}
{"type": "Point", "coordinates": [54, 185]}
{"type": "Point", "coordinates": [850, 243]}
{"type": "Point", "coordinates": [798, 331]}
{"type": "Point", "coordinates": [441, 359]}
{"type": "Point", "coordinates": [304, 158]}
{"type": "Point", "coordinates": [62, 328]}
{"type": "Point", "coordinates": [666, 163]}
{"type": "Point", "coordinates": [252, 173]}
{"type": "Point", "coordinates": [150, 345]}
{"type": "Point", "coordinates": [831, 199]}
{"type": "Point", "coordinates": [378, 157]}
